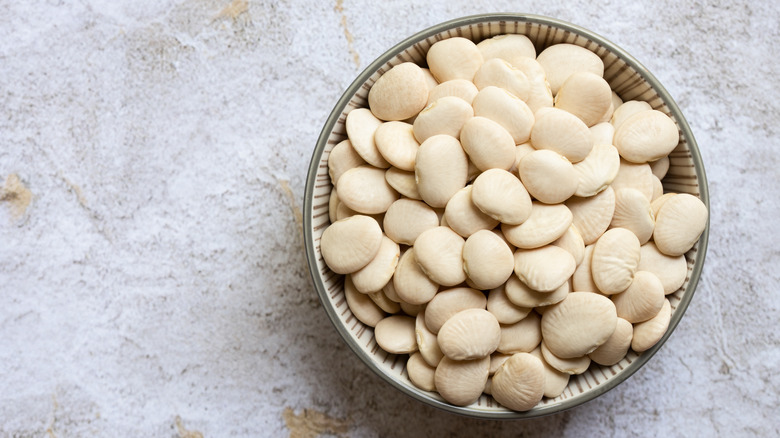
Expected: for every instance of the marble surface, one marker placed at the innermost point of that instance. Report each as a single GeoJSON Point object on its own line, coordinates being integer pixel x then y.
{"type": "Point", "coordinates": [153, 157]}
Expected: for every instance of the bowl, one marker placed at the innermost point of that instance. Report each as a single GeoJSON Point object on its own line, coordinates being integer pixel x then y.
{"type": "Point", "coordinates": [627, 77]}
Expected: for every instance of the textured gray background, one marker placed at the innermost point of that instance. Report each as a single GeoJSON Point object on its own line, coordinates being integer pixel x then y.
{"type": "Point", "coordinates": [152, 279]}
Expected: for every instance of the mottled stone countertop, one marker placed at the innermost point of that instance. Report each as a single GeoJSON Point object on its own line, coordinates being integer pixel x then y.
{"type": "Point", "coordinates": [153, 157]}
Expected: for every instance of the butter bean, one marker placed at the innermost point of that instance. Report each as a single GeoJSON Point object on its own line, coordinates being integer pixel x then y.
{"type": "Point", "coordinates": [521, 151]}
{"type": "Point", "coordinates": [421, 374]}
{"type": "Point", "coordinates": [499, 73]}
{"type": "Point", "coordinates": [397, 144]}
{"type": "Point", "coordinates": [464, 217]}
{"type": "Point", "coordinates": [361, 125]}
{"type": "Point", "coordinates": [634, 176]}
{"type": "Point", "coordinates": [333, 204]}
{"type": "Point", "coordinates": [378, 272]}
{"type": "Point", "coordinates": [615, 348]}
{"type": "Point", "coordinates": [469, 334]}
{"type": "Point", "coordinates": [462, 88]}
{"type": "Point", "coordinates": [545, 224]}
{"type": "Point", "coordinates": [555, 382]}
{"type": "Point", "coordinates": [597, 170]}
{"type": "Point", "coordinates": [522, 336]}
{"type": "Point", "coordinates": [633, 212]}
{"type": "Point", "coordinates": [615, 260]}
{"type": "Point", "coordinates": [505, 311]}
{"type": "Point", "coordinates": [454, 58]}
{"type": "Point", "coordinates": [439, 253]}
{"type": "Point", "coordinates": [603, 133]}
{"type": "Point", "coordinates": [342, 158]}
{"type": "Point", "coordinates": [660, 166]}
{"type": "Point", "coordinates": [571, 241]}
{"type": "Point", "coordinates": [408, 218]}
{"type": "Point", "coordinates": [548, 176]}
{"type": "Point", "coordinates": [648, 333]}
{"type": "Point", "coordinates": [642, 300]}
{"type": "Point", "coordinates": [427, 342]}
{"type": "Point", "coordinates": [523, 296]}
{"type": "Point", "coordinates": [380, 299]}
{"type": "Point", "coordinates": [544, 269]}
{"type": "Point", "coordinates": [582, 279]}
{"type": "Point", "coordinates": [508, 47]}
{"type": "Point", "coordinates": [626, 110]}
{"type": "Point", "coordinates": [395, 334]}
{"type": "Point", "coordinates": [444, 116]}
{"type": "Point", "coordinates": [461, 382]}
{"type": "Point", "coordinates": [571, 366]}
{"type": "Point", "coordinates": [350, 244]}
{"type": "Point", "coordinates": [410, 282]}
{"type": "Point", "coordinates": [399, 93]}
{"type": "Point", "coordinates": [403, 182]}
{"type": "Point", "coordinates": [502, 196]}
{"type": "Point", "coordinates": [562, 132]}
{"type": "Point", "coordinates": [518, 383]}
{"type": "Point", "coordinates": [592, 215]}
{"type": "Point", "coordinates": [507, 110]}
{"type": "Point", "coordinates": [539, 93]}
{"type": "Point", "coordinates": [646, 136]}
{"type": "Point", "coordinates": [487, 144]}
{"type": "Point", "coordinates": [487, 260]}
{"type": "Point", "coordinates": [680, 222]}
{"type": "Point", "coordinates": [586, 95]}
{"type": "Point", "coordinates": [441, 169]}
{"type": "Point", "coordinates": [449, 302]}
{"type": "Point", "coordinates": [578, 325]}
{"type": "Point", "coordinates": [562, 60]}
{"type": "Point", "coordinates": [361, 305]}
{"type": "Point", "coordinates": [365, 190]}
{"type": "Point", "coordinates": [670, 270]}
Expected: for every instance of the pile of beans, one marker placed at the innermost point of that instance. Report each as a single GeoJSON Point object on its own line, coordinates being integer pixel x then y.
{"type": "Point", "coordinates": [499, 217]}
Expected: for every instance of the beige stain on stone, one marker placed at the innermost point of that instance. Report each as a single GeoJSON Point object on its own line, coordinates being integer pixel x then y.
{"type": "Point", "coordinates": [17, 196]}
{"type": "Point", "coordinates": [347, 34]}
{"type": "Point", "coordinates": [50, 432]}
{"type": "Point", "coordinates": [311, 423]}
{"type": "Point", "coordinates": [234, 9]}
{"type": "Point", "coordinates": [76, 191]}
{"type": "Point", "coordinates": [296, 209]}
{"type": "Point", "coordinates": [183, 432]}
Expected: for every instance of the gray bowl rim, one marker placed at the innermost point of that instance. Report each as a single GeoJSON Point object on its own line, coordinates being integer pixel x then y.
{"type": "Point", "coordinates": [330, 123]}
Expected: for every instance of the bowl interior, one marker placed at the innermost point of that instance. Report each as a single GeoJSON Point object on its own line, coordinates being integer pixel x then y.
{"type": "Point", "coordinates": [626, 76]}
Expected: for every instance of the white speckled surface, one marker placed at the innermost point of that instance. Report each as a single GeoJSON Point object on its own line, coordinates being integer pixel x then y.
{"type": "Point", "coordinates": [156, 285]}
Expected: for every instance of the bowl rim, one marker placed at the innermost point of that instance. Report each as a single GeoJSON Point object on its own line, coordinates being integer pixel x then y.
{"type": "Point", "coordinates": [331, 122]}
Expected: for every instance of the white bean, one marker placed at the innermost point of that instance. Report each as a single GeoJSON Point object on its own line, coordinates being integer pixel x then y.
{"type": "Point", "coordinates": [546, 224]}
{"type": "Point", "coordinates": [439, 252]}
{"type": "Point", "coordinates": [562, 60]}
{"type": "Point", "coordinates": [361, 125]}
{"type": "Point", "coordinates": [544, 269]}
{"type": "Point", "coordinates": [399, 93]}
{"type": "Point", "coordinates": [487, 260]}
{"type": "Point", "coordinates": [397, 144]}
{"type": "Point", "coordinates": [586, 95]}
{"type": "Point", "coordinates": [461, 382]}
{"type": "Point", "coordinates": [441, 169]}
{"type": "Point", "coordinates": [579, 324]}
{"type": "Point", "coordinates": [502, 196]}
{"type": "Point", "coordinates": [454, 58]}
{"type": "Point", "coordinates": [507, 110]}
{"type": "Point", "coordinates": [518, 383]}
{"type": "Point", "coordinates": [680, 222]}
{"type": "Point", "coordinates": [562, 132]}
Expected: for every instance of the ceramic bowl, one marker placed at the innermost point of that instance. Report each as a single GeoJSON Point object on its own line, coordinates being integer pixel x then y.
{"type": "Point", "coordinates": [627, 77]}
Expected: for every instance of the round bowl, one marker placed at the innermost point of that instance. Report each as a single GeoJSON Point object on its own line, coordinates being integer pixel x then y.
{"type": "Point", "coordinates": [627, 77]}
